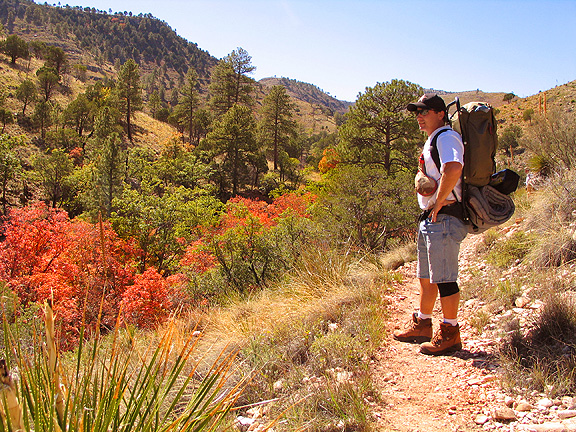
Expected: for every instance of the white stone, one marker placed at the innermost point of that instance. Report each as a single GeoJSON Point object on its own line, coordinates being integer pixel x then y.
{"type": "Point", "coordinates": [244, 421]}
{"type": "Point", "coordinates": [481, 419]}
{"type": "Point", "coordinates": [278, 385]}
{"type": "Point", "coordinates": [564, 414]}
{"type": "Point", "coordinates": [545, 403]}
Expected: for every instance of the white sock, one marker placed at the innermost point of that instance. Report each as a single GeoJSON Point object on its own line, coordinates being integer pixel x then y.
{"type": "Point", "coordinates": [424, 316]}
{"type": "Point", "coordinates": [453, 322]}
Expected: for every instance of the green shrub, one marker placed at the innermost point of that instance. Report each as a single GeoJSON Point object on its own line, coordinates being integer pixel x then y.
{"type": "Point", "coordinates": [506, 292]}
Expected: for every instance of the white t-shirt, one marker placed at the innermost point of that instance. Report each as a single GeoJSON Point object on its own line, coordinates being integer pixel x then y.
{"type": "Point", "coordinates": [450, 149]}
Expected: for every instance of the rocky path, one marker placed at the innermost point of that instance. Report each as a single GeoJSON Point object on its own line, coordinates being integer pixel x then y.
{"type": "Point", "coordinates": [460, 392]}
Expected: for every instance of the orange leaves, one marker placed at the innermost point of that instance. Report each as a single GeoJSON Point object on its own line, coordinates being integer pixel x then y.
{"type": "Point", "coordinates": [146, 303]}
{"type": "Point", "coordinates": [329, 160]}
{"type": "Point", "coordinates": [46, 255]}
{"type": "Point", "coordinates": [243, 247]}
{"type": "Point", "coordinates": [198, 258]}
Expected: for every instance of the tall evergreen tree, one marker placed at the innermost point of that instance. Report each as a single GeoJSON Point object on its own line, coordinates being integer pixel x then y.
{"type": "Point", "coordinates": [129, 92]}
{"type": "Point", "coordinates": [188, 103]}
{"type": "Point", "coordinates": [14, 47]}
{"type": "Point", "coordinates": [230, 83]}
{"type": "Point", "coordinates": [276, 126]}
{"type": "Point", "coordinates": [378, 129]}
{"type": "Point", "coordinates": [26, 93]}
{"type": "Point", "coordinates": [53, 170]}
{"type": "Point", "coordinates": [48, 79]}
{"type": "Point", "coordinates": [9, 165]}
{"type": "Point", "coordinates": [56, 58]}
{"type": "Point", "coordinates": [233, 143]}
{"type": "Point", "coordinates": [110, 169]}
{"type": "Point", "coordinates": [79, 114]}
{"type": "Point", "coordinates": [42, 117]}
{"type": "Point", "coordinates": [154, 103]}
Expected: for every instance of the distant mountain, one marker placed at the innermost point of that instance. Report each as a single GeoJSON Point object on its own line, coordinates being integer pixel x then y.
{"type": "Point", "coordinates": [494, 99]}
{"type": "Point", "coordinates": [309, 93]}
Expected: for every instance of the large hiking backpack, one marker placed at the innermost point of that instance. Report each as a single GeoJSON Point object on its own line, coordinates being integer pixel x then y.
{"type": "Point", "coordinates": [484, 206]}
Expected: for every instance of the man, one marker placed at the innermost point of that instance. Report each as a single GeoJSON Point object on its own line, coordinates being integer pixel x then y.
{"type": "Point", "coordinates": [440, 231]}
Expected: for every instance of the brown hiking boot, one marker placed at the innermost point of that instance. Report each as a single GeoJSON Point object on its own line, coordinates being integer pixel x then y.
{"type": "Point", "coordinates": [416, 331]}
{"type": "Point", "coordinates": [446, 340]}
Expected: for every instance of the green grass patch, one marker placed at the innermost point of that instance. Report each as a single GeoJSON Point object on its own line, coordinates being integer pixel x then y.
{"type": "Point", "coordinates": [511, 250]}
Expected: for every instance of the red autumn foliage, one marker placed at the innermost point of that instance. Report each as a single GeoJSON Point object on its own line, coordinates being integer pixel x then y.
{"type": "Point", "coordinates": [84, 268]}
{"type": "Point", "coordinates": [330, 159]}
{"type": "Point", "coordinates": [146, 303]}
{"type": "Point", "coordinates": [199, 256]}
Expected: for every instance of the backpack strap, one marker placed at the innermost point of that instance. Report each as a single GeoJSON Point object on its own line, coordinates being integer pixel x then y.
{"type": "Point", "coordinates": [436, 158]}
{"type": "Point", "coordinates": [434, 149]}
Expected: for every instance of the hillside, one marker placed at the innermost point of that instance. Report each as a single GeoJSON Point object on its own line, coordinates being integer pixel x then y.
{"type": "Point", "coordinates": [106, 38]}
{"type": "Point", "coordinates": [316, 110]}
{"type": "Point", "coordinates": [494, 99]}
{"type": "Point", "coordinates": [308, 93]}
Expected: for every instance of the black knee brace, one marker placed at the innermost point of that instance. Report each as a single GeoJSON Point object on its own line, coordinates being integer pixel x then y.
{"type": "Point", "coordinates": [448, 288]}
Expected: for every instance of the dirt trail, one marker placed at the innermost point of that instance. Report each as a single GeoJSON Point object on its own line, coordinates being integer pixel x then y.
{"type": "Point", "coordinates": [426, 393]}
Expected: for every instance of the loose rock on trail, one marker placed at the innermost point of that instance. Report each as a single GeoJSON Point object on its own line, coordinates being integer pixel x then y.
{"type": "Point", "coordinates": [458, 392]}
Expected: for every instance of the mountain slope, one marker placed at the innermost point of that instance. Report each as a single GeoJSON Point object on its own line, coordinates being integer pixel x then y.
{"type": "Point", "coordinates": [308, 93]}
{"type": "Point", "coordinates": [106, 37]}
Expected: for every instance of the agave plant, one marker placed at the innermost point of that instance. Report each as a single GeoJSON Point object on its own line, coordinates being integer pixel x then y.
{"type": "Point", "coordinates": [111, 386]}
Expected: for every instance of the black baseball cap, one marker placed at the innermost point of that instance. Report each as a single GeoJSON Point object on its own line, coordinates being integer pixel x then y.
{"type": "Point", "coordinates": [428, 101]}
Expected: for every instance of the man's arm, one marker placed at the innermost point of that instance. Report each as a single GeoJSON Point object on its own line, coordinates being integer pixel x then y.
{"type": "Point", "coordinates": [450, 176]}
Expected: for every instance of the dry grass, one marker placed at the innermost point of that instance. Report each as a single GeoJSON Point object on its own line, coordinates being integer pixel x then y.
{"type": "Point", "coordinates": [309, 341]}
{"type": "Point", "coordinates": [544, 358]}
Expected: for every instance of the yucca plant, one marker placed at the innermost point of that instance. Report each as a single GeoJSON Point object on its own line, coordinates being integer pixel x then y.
{"type": "Point", "coordinates": [107, 385]}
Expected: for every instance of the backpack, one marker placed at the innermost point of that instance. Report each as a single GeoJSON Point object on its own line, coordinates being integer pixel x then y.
{"type": "Point", "coordinates": [484, 205]}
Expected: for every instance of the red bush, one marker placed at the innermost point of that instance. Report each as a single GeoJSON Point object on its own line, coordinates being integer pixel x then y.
{"type": "Point", "coordinates": [46, 255]}
{"type": "Point", "coordinates": [146, 303]}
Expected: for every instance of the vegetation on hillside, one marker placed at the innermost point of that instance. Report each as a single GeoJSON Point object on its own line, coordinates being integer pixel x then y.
{"type": "Point", "coordinates": [242, 210]}
{"type": "Point", "coordinates": [109, 37]}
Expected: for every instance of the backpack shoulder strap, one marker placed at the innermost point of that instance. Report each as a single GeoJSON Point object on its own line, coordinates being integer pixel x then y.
{"type": "Point", "coordinates": [434, 149]}
{"type": "Point", "coordinates": [436, 158]}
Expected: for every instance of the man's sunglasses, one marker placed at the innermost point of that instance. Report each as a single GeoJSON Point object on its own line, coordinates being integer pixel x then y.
{"type": "Point", "coordinates": [421, 112]}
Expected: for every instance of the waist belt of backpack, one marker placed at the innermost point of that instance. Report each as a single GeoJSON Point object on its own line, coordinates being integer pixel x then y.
{"type": "Point", "coordinates": [454, 209]}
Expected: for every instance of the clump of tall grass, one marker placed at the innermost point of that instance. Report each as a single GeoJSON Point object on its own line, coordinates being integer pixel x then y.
{"type": "Point", "coordinates": [508, 251]}
{"type": "Point", "coordinates": [399, 255]}
{"type": "Point", "coordinates": [108, 384]}
{"type": "Point", "coordinates": [544, 358]}
{"type": "Point", "coordinates": [553, 218]}
{"type": "Point", "coordinates": [310, 340]}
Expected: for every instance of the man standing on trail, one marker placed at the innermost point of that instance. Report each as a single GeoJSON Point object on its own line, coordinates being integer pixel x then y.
{"type": "Point", "coordinates": [440, 229]}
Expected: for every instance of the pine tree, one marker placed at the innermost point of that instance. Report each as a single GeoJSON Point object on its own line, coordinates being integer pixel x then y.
{"type": "Point", "coordinates": [48, 79]}
{"type": "Point", "coordinates": [110, 168]}
{"type": "Point", "coordinates": [14, 47]}
{"type": "Point", "coordinates": [276, 126]}
{"type": "Point", "coordinates": [26, 93]}
{"type": "Point", "coordinates": [378, 129]}
{"type": "Point", "coordinates": [188, 103]}
{"type": "Point", "coordinates": [230, 83]}
{"type": "Point", "coordinates": [9, 165]}
{"type": "Point", "coordinates": [233, 143]}
{"type": "Point", "coordinates": [52, 170]}
{"type": "Point", "coordinates": [129, 92]}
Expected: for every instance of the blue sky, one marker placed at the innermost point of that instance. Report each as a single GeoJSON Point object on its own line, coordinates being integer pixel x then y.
{"type": "Point", "coordinates": [520, 46]}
